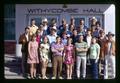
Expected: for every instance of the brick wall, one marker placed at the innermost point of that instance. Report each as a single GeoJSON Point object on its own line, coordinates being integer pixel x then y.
{"type": "Point", "coordinates": [10, 47]}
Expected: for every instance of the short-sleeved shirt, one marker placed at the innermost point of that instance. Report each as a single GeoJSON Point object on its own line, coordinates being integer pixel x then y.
{"type": "Point", "coordinates": [94, 48]}
{"type": "Point", "coordinates": [64, 41]}
{"type": "Point", "coordinates": [52, 38]}
{"type": "Point", "coordinates": [55, 47]}
{"type": "Point", "coordinates": [81, 45]}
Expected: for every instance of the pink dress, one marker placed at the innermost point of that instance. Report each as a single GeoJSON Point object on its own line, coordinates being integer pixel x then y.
{"type": "Point", "coordinates": [69, 54]}
{"type": "Point", "coordinates": [33, 52]}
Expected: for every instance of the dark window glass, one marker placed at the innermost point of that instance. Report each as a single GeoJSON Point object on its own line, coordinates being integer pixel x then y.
{"type": "Point", "coordinates": [37, 21]}
{"type": "Point", "coordinates": [9, 11]}
{"type": "Point", "coordinates": [9, 22]}
{"type": "Point", "coordinates": [9, 30]}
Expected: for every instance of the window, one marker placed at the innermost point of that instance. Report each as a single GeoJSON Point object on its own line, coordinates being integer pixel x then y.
{"type": "Point", "coordinates": [9, 22]}
{"type": "Point", "coordinates": [9, 29]}
{"type": "Point", "coordinates": [78, 18]}
{"type": "Point", "coordinates": [38, 19]}
{"type": "Point", "coordinates": [9, 11]}
{"type": "Point", "coordinates": [98, 17]}
{"type": "Point", "coordinates": [87, 19]}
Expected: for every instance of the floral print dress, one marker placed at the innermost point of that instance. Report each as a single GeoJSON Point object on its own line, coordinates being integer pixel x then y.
{"type": "Point", "coordinates": [69, 55]}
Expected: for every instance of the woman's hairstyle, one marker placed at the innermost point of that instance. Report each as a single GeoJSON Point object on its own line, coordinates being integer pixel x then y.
{"type": "Point", "coordinates": [58, 37]}
{"type": "Point", "coordinates": [37, 31]}
{"type": "Point", "coordinates": [95, 39]}
{"type": "Point", "coordinates": [34, 35]}
{"type": "Point", "coordinates": [47, 39]}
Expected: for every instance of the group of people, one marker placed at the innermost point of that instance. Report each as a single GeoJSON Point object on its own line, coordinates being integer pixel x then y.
{"type": "Point", "coordinates": [69, 45]}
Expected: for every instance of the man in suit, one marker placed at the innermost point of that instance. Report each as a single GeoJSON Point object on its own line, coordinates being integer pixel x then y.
{"type": "Point", "coordinates": [24, 39]}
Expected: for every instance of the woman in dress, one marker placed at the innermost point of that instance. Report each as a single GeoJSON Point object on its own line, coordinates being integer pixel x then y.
{"type": "Point", "coordinates": [69, 57]}
{"type": "Point", "coordinates": [33, 56]}
{"type": "Point", "coordinates": [44, 52]}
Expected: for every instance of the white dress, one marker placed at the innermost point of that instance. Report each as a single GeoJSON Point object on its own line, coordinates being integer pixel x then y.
{"type": "Point", "coordinates": [44, 51]}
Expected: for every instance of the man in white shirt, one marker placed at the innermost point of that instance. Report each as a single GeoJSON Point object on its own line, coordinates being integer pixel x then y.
{"type": "Point", "coordinates": [52, 36]}
{"type": "Point", "coordinates": [45, 25]}
{"type": "Point", "coordinates": [88, 39]}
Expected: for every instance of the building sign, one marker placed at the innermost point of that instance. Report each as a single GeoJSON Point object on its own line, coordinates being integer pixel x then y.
{"type": "Point", "coordinates": [63, 10]}
{"type": "Point", "coordinates": [53, 10]}
{"type": "Point", "coordinates": [92, 10]}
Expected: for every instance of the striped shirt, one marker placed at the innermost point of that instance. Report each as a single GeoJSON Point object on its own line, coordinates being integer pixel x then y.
{"type": "Point", "coordinates": [81, 45]}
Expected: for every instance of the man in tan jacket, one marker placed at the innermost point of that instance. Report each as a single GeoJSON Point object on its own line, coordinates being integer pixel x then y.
{"type": "Point", "coordinates": [109, 52]}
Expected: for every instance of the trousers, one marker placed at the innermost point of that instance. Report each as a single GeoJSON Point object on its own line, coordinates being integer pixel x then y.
{"type": "Point", "coordinates": [57, 64]}
{"type": "Point", "coordinates": [109, 60]}
{"type": "Point", "coordinates": [78, 65]}
{"type": "Point", "coordinates": [94, 68]}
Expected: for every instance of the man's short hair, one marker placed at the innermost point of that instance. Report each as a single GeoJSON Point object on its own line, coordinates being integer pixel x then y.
{"type": "Point", "coordinates": [32, 20]}
{"type": "Point", "coordinates": [26, 27]}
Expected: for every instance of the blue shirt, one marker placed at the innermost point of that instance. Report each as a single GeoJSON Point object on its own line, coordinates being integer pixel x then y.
{"type": "Point", "coordinates": [64, 41]}
{"type": "Point", "coordinates": [52, 38]}
{"type": "Point", "coordinates": [96, 33]}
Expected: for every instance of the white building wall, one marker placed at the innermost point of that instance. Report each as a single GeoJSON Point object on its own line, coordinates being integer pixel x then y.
{"type": "Point", "coordinates": [21, 11]}
{"type": "Point", "coordinates": [109, 18]}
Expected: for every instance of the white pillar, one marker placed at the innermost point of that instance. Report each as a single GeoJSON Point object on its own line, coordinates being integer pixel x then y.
{"type": "Point", "coordinates": [109, 17]}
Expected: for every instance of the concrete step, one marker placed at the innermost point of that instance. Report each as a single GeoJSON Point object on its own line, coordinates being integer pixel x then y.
{"type": "Point", "coordinates": [18, 69]}
{"type": "Point", "coordinates": [14, 77]}
{"type": "Point", "coordinates": [12, 73]}
{"type": "Point", "coordinates": [13, 68]}
{"type": "Point", "coordinates": [8, 57]}
{"type": "Point", "coordinates": [6, 60]}
{"type": "Point", "coordinates": [10, 64]}
{"type": "Point", "coordinates": [12, 61]}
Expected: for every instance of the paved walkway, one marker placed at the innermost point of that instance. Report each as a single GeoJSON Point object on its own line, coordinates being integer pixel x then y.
{"type": "Point", "coordinates": [12, 69]}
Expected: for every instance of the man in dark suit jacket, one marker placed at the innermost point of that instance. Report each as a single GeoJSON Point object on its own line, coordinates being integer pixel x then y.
{"type": "Point", "coordinates": [24, 39]}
